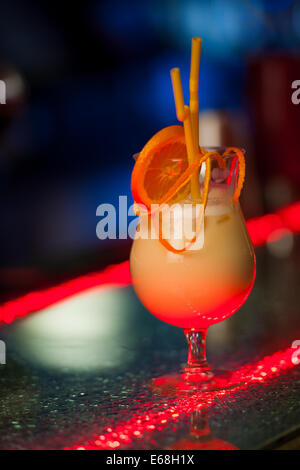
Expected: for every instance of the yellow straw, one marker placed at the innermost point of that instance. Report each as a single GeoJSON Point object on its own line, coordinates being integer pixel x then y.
{"type": "Point", "coordinates": [184, 115]}
{"type": "Point", "coordinates": [194, 87]}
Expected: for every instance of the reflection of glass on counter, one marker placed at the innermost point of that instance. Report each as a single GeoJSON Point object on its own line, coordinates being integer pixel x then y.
{"type": "Point", "coordinates": [200, 437]}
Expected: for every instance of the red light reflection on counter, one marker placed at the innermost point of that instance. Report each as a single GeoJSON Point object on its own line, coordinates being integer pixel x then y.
{"type": "Point", "coordinates": [139, 426]}
{"type": "Point", "coordinates": [260, 230]}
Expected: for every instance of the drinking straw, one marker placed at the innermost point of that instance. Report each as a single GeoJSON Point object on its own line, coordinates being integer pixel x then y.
{"type": "Point", "coordinates": [184, 115]}
{"type": "Point", "coordinates": [194, 87]}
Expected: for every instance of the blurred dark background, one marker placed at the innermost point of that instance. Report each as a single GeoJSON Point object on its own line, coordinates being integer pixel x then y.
{"type": "Point", "coordinates": [88, 84]}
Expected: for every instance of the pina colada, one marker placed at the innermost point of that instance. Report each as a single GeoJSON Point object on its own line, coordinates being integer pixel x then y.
{"type": "Point", "coordinates": [195, 278]}
{"type": "Point", "coordinates": [205, 284]}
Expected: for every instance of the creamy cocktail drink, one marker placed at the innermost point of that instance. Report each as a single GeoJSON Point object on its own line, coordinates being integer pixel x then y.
{"type": "Point", "coordinates": [205, 284]}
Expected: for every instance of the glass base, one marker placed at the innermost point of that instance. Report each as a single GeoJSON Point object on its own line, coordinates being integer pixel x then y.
{"type": "Point", "coordinates": [190, 383]}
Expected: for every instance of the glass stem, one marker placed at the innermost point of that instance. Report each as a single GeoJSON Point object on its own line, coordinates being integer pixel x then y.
{"type": "Point", "coordinates": [196, 362]}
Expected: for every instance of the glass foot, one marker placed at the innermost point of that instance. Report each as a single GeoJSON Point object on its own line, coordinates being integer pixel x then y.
{"type": "Point", "coordinates": [190, 383]}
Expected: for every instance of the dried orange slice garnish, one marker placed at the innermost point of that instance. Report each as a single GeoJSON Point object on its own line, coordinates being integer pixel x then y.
{"type": "Point", "coordinates": [159, 167]}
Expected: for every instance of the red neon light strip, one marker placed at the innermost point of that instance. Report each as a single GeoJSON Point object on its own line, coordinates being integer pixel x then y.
{"type": "Point", "coordinates": [125, 433]}
{"type": "Point", "coordinates": [260, 230]}
{"type": "Point", "coordinates": [113, 276]}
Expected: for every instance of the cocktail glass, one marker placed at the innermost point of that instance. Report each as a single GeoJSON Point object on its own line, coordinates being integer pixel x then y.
{"type": "Point", "coordinates": [203, 285]}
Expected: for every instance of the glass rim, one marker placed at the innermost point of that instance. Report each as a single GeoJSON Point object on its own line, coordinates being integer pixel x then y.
{"type": "Point", "coordinates": [221, 148]}
{"type": "Point", "coordinates": [209, 148]}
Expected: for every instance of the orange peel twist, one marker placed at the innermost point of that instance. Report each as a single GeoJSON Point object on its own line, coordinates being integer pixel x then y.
{"type": "Point", "coordinates": [242, 170]}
